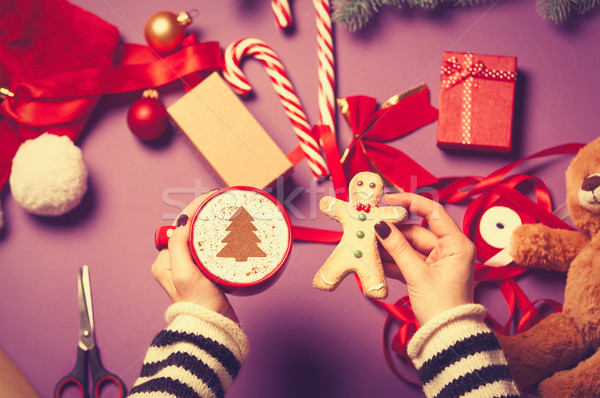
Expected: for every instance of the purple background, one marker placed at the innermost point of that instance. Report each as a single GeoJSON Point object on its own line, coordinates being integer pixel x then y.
{"type": "Point", "coordinates": [304, 342]}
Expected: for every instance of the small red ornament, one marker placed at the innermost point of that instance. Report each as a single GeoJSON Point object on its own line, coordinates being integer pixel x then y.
{"type": "Point", "coordinates": [147, 118]}
{"type": "Point", "coordinates": [164, 30]}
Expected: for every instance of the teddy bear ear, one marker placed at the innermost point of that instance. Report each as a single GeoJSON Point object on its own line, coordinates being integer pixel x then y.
{"type": "Point", "coordinates": [48, 175]}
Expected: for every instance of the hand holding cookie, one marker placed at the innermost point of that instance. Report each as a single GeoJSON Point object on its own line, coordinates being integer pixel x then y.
{"type": "Point", "coordinates": [357, 251]}
{"type": "Point", "coordinates": [437, 264]}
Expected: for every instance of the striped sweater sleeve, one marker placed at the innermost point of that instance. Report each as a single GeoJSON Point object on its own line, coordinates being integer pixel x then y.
{"type": "Point", "coordinates": [457, 355]}
{"type": "Point", "coordinates": [199, 354]}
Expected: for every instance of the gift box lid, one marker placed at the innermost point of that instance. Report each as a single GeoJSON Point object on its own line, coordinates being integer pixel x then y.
{"type": "Point", "coordinates": [227, 136]}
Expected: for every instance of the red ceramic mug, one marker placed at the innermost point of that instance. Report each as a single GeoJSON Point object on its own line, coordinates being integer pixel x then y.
{"type": "Point", "coordinates": [239, 237]}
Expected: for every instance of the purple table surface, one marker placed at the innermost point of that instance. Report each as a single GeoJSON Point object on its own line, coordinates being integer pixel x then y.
{"type": "Point", "coordinates": [304, 342]}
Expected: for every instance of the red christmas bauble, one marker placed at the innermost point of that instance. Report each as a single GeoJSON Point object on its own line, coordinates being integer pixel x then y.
{"type": "Point", "coordinates": [147, 119]}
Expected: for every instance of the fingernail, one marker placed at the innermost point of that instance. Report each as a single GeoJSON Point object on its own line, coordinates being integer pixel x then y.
{"type": "Point", "coordinates": [382, 229]}
{"type": "Point", "coordinates": [182, 220]}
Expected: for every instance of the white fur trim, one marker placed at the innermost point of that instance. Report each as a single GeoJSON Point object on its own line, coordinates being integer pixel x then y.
{"type": "Point", "coordinates": [48, 176]}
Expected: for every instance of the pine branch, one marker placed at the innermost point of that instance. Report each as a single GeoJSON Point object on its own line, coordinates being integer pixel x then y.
{"type": "Point", "coordinates": [469, 3]}
{"type": "Point", "coordinates": [425, 4]}
{"type": "Point", "coordinates": [354, 14]}
{"type": "Point", "coordinates": [554, 10]}
{"type": "Point", "coordinates": [584, 6]}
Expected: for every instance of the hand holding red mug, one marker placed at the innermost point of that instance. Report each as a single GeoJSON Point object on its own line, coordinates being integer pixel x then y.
{"type": "Point", "coordinates": [177, 273]}
{"type": "Point", "coordinates": [238, 237]}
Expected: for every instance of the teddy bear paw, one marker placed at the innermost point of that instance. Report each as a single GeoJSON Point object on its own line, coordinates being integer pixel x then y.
{"type": "Point", "coordinates": [563, 385]}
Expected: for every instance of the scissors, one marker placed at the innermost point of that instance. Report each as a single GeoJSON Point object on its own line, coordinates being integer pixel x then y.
{"type": "Point", "coordinates": [87, 349]}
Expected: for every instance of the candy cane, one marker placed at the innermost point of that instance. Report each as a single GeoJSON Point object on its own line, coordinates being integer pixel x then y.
{"type": "Point", "coordinates": [282, 13]}
{"type": "Point", "coordinates": [262, 52]}
{"type": "Point", "coordinates": [326, 71]}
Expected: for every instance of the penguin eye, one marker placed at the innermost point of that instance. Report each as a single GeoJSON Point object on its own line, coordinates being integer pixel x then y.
{"type": "Point", "coordinates": [359, 183]}
{"type": "Point", "coordinates": [497, 225]}
{"type": "Point", "coordinates": [372, 185]}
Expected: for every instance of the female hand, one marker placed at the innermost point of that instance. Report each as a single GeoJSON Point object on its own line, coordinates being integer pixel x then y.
{"type": "Point", "coordinates": [437, 265]}
{"type": "Point", "coordinates": [182, 280]}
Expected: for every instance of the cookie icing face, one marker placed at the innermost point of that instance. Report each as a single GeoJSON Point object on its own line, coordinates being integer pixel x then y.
{"type": "Point", "coordinates": [366, 188]}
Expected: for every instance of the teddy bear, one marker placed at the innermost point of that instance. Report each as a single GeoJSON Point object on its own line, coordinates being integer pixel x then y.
{"type": "Point", "coordinates": [561, 352]}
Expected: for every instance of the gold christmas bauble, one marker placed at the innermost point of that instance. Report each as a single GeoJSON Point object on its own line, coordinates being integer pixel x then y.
{"type": "Point", "coordinates": [164, 31]}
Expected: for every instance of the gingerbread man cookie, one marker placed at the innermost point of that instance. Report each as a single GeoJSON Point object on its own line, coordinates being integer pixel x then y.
{"type": "Point", "coordinates": [357, 251]}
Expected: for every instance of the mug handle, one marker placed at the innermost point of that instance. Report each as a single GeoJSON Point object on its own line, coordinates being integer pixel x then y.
{"type": "Point", "coordinates": [162, 235]}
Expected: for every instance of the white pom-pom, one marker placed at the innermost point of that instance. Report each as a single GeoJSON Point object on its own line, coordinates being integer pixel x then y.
{"type": "Point", "coordinates": [48, 175]}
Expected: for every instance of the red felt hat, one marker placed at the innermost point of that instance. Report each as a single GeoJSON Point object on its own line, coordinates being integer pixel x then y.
{"type": "Point", "coordinates": [39, 39]}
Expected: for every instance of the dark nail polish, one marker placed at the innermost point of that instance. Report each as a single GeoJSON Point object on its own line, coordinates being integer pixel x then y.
{"type": "Point", "coordinates": [382, 229]}
{"type": "Point", "coordinates": [182, 220]}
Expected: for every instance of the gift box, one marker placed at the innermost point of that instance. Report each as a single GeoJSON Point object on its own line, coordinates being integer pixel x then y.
{"type": "Point", "coordinates": [476, 102]}
{"type": "Point", "coordinates": [231, 141]}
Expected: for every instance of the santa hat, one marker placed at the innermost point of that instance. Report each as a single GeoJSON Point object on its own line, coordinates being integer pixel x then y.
{"type": "Point", "coordinates": [40, 39]}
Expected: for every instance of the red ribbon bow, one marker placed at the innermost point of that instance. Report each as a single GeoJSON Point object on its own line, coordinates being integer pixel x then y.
{"type": "Point", "coordinates": [366, 208]}
{"type": "Point", "coordinates": [406, 113]}
{"type": "Point", "coordinates": [457, 73]}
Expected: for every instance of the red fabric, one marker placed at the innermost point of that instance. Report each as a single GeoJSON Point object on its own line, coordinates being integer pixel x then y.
{"type": "Point", "coordinates": [41, 38]}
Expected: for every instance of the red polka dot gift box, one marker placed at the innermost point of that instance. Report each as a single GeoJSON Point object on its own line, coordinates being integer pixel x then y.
{"type": "Point", "coordinates": [476, 102]}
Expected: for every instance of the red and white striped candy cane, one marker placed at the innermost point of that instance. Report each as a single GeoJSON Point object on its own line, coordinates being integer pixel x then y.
{"type": "Point", "coordinates": [282, 13]}
{"type": "Point", "coordinates": [326, 62]}
{"type": "Point", "coordinates": [259, 50]}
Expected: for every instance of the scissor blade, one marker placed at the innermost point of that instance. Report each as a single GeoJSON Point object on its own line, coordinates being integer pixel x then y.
{"type": "Point", "coordinates": [86, 316]}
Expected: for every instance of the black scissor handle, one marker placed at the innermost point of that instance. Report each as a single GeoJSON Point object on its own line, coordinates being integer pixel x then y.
{"type": "Point", "coordinates": [101, 376]}
{"type": "Point", "coordinates": [78, 376]}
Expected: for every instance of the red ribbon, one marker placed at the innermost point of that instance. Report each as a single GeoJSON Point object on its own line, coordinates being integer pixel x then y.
{"type": "Point", "coordinates": [372, 127]}
{"type": "Point", "coordinates": [305, 234]}
{"type": "Point", "coordinates": [63, 98]}
{"type": "Point", "coordinates": [332, 154]}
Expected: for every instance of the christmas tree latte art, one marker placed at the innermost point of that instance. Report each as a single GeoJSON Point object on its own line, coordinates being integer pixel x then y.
{"type": "Point", "coordinates": [241, 236]}
{"type": "Point", "coordinates": [241, 241]}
